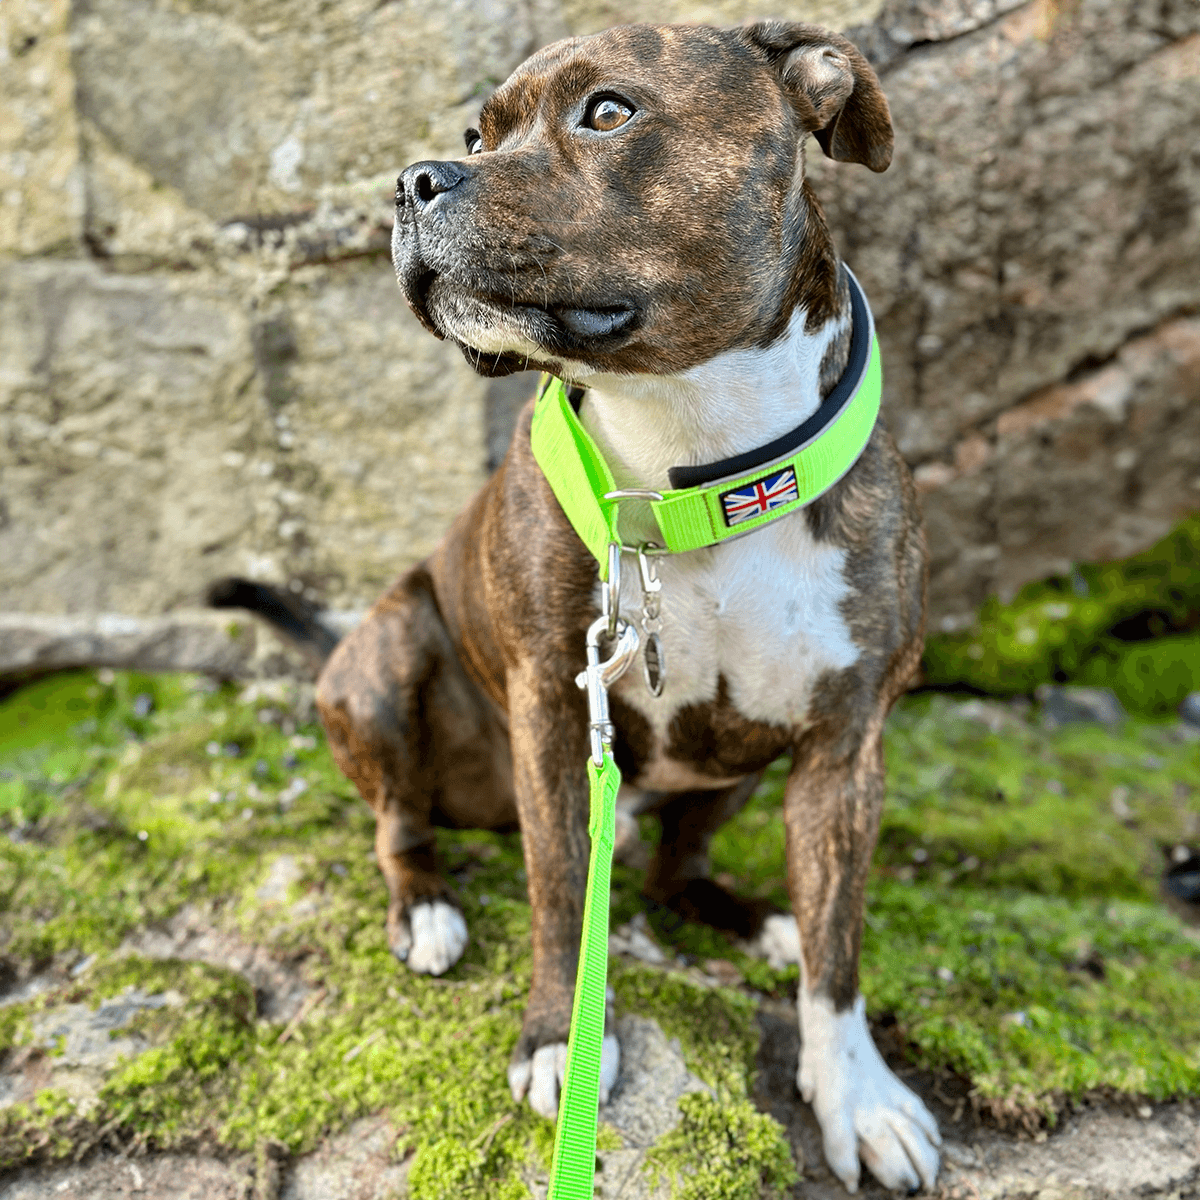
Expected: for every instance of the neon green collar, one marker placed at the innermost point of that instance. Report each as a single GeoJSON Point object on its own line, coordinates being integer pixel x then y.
{"type": "Point", "coordinates": [718, 501]}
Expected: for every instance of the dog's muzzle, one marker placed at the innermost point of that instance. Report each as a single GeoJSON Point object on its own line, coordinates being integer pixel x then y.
{"type": "Point", "coordinates": [438, 238]}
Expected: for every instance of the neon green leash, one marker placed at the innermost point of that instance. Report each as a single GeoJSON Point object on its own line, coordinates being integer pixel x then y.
{"type": "Point", "coordinates": [574, 1165]}
{"type": "Point", "coordinates": [707, 505]}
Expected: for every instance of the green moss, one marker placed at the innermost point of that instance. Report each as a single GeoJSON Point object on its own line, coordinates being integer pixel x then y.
{"type": "Point", "coordinates": [1080, 811]}
{"type": "Point", "coordinates": [1032, 879]}
{"type": "Point", "coordinates": [1023, 862]}
{"type": "Point", "coordinates": [178, 1090]}
{"type": "Point", "coordinates": [723, 1150]}
{"type": "Point", "coordinates": [1061, 629]}
{"type": "Point", "coordinates": [1036, 999]}
{"type": "Point", "coordinates": [46, 1128]}
{"type": "Point", "coordinates": [715, 1026]}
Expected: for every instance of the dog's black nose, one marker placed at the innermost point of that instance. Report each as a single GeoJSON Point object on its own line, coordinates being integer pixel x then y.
{"type": "Point", "coordinates": [423, 182]}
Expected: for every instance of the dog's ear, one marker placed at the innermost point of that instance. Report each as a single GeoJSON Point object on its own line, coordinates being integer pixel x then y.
{"type": "Point", "coordinates": [832, 88]}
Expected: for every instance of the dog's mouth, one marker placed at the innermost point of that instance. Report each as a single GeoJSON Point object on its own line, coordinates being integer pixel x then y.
{"type": "Point", "coordinates": [502, 333]}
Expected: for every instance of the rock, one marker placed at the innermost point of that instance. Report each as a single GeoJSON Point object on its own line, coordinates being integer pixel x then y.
{"type": "Point", "coordinates": [282, 873]}
{"type": "Point", "coordinates": [653, 1077]}
{"type": "Point", "coordinates": [1189, 710]}
{"type": "Point", "coordinates": [590, 16]}
{"type": "Point", "coordinates": [107, 1176]}
{"type": "Point", "coordinates": [722, 971]}
{"type": "Point", "coordinates": [206, 368]}
{"type": "Point", "coordinates": [41, 176]}
{"type": "Point", "coordinates": [1181, 880]}
{"type": "Point", "coordinates": [643, 1107]}
{"type": "Point", "coordinates": [635, 940]}
{"type": "Point", "coordinates": [74, 1047]}
{"type": "Point", "coordinates": [998, 266]}
{"type": "Point", "coordinates": [1092, 1156]}
{"type": "Point", "coordinates": [285, 100]}
{"type": "Point", "coordinates": [905, 23]}
{"type": "Point", "coordinates": [355, 1165]}
{"type": "Point", "coordinates": [1071, 704]}
{"type": "Point", "coordinates": [279, 988]}
{"type": "Point", "coordinates": [326, 441]}
{"type": "Point", "coordinates": [186, 640]}
{"type": "Point", "coordinates": [909, 22]}
{"type": "Point", "coordinates": [997, 717]}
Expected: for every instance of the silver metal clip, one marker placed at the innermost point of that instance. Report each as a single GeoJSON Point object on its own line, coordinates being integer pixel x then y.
{"type": "Point", "coordinates": [600, 676]}
{"type": "Point", "coordinates": [654, 662]}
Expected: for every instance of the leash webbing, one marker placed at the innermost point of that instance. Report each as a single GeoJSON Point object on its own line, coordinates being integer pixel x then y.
{"type": "Point", "coordinates": [574, 1166]}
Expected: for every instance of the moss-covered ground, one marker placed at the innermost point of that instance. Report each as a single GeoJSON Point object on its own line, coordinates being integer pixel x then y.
{"type": "Point", "coordinates": [1014, 933]}
{"type": "Point", "coordinates": [1132, 626]}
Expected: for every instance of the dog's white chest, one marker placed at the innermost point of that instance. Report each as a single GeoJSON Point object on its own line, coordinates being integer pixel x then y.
{"type": "Point", "coordinates": [763, 613]}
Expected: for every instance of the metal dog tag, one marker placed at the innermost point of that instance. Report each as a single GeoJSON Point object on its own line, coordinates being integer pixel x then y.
{"type": "Point", "coordinates": [653, 664]}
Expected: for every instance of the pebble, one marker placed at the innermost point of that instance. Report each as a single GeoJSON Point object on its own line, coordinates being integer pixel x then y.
{"type": "Point", "coordinates": [1071, 704]}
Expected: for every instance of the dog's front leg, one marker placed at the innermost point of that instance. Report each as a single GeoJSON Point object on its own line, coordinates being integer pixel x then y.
{"type": "Point", "coordinates": [548, 726]}
{"type": "Point", "coordinates": [832, 810]}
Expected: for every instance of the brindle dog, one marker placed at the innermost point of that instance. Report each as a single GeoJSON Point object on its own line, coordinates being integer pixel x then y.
{"type": "Point", "coordinates": [632, 215]}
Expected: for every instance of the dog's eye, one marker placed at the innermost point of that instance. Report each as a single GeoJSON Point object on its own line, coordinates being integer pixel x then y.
{"type": "Point", "coordinates": [474, 141]}
{"type": "Point", "coordinates": [607, 114]}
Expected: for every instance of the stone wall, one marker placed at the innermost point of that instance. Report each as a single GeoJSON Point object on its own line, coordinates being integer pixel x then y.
{"type": "Point", "coordinates": [1033, 256]}
{"type": "Point", "coordinates": [206, 367]}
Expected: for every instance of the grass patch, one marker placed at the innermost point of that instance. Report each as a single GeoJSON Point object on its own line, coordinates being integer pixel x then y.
{"type": "Point", "coordinates": [1013, 933]}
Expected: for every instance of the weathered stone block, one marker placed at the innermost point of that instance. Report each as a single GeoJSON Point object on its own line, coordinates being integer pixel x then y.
{"type": "Point", "coordinates": [250, 108]}
{"type": "Point", "coordinates": [157, 435]}
{"type": "Point", "coordinates": [590, 16]}
{"type": "Point", "coordinates": [41, 186]}
{"type": "Point", "coordinates": [1042, 209]}
{"type": "Point", "coordinates": [232, 384]}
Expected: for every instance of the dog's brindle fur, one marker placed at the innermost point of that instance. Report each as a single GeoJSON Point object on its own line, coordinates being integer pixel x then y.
{"type": "Point", "coordinates": [644, 251]}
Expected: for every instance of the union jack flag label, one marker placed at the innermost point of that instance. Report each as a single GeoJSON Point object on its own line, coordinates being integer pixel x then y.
{"type": "Point", "coordinates": [754, 499]}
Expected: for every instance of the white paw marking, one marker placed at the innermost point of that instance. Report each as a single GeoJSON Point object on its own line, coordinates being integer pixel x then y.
{"type": "Point", "coordinates": [541, 1077]}
{"type": "Point", "coordinates": [863, 1109]}
{"type": "Point", "coordinates": [438, 936]}
{"type": "Point", "coordinates": [778, 941]}
{"type": "Point", "coordinates": [549, 1067]}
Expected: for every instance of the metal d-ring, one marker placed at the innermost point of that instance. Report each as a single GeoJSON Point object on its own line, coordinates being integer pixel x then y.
{"type": "Point", "coordinates": [633, 494]}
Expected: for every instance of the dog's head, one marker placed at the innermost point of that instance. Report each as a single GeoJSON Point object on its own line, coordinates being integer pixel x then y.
{"type": "Point", "coordinates": [634, 202]}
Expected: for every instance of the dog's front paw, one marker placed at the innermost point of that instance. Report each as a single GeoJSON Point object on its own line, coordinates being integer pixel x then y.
{"type": "Point", "coordinates": [430, 938]}
{"type": "Point", "coordinates": [864, 1110]}
{"type": "Point", "coordinates": [540, 1076]}
{"type": "Point", "coordinates": [778, 941]}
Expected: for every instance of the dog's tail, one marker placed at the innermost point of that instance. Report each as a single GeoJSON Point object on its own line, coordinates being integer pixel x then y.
{"type": "Point", "coordinates": [299, 621]}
